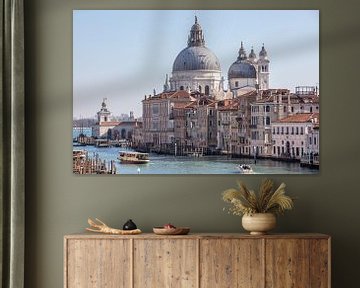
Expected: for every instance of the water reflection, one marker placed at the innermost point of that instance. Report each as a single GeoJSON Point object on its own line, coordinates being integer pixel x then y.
{"type": "Point", "coordinates": [165, 164]}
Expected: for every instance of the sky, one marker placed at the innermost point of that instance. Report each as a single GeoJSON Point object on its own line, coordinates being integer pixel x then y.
{"type": "Point", "coordinates": [121, 55]}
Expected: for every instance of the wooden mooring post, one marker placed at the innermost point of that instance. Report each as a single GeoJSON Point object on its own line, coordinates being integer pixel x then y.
{"type": "Point", "coordinates": [94, 165]}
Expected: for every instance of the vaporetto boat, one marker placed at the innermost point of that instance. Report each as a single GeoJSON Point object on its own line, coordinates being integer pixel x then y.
{"type": "Point", "coordinates": [133, 157]}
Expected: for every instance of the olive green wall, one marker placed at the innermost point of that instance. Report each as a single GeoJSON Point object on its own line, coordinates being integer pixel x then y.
{"type": "Point", "coordinates": [59, 203]}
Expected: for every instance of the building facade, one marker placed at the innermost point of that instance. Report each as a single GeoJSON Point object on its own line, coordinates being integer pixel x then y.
{"type": "Point", "coordinates": [295, 135]}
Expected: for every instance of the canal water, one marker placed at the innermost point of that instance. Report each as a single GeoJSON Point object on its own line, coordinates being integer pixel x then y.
{"type": "Point", "coordinates": [169, 164]}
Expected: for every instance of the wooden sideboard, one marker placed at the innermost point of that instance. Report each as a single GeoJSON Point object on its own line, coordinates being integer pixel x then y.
{"type": "Point", "coordinates": [197, 260]}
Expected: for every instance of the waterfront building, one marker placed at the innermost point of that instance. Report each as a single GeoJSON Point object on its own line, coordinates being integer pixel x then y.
{"type": "Point", "coordinates": [234, 119]}
{"type": "Point", "coordinates": [227, 126]}
{"type": "Point", "coordinates": [292, 135]}
{"type": "Point", "coordinates": [272, 105]}
{"type": "Point", "coordinates": [104, 122]}
{"type": "Point", "coordinates": [158, 119]}
{"type": "Point", "coordinates": [107, 127]}
{"type": "Point", "coordinates": [137, 134]}
{"type": "Point", "coordinates": [201, 125]}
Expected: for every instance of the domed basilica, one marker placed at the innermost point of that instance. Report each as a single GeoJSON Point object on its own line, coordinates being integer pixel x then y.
{"type": "Point", "coordinates": [197, 69]}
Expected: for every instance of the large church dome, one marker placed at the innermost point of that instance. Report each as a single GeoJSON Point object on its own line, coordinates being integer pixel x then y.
{"type": "Point", "coordinates": [196, 56]}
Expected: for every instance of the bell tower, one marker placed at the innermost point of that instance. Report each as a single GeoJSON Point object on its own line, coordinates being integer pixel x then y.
{"type": "Point", "coordinates": [104, 113]}
{"type": "Point", "coordinates": [263, 69]}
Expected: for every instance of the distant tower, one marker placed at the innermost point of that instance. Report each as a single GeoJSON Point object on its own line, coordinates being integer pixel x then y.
{"type": "Point", "coordinates": [166, 84]}
{"type": "Point", "coordinates": [104, 113]}
{"type": "Point", "coordinates": [263, 69]}
{"type": "Point", "coordinates": [131, 118]}
{"type": "Point", "coordinates": [242, 52]}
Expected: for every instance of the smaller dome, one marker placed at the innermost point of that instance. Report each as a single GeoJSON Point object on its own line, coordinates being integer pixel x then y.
{"type": "Point", "coordinates": [240, 69]}
{"type": "Point", "coordinates": [252, 54]}
{"type": "Point", "coordinates": [263, 52]}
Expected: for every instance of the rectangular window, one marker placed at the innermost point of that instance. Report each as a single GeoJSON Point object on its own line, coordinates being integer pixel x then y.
{"type": "Point", "coordinates": [155, 125]}
{"type": "Point", "coordinates": [287, 130]}
{"type": "Point", "coordinates": [301, 130]}
{"type": "Point", "coordinates": [282, 130]}
{"type": "Point", "coordinates": [297, 130]}
{"type": "Point", "coordinates": [267, 120]}
{"type": "Point", "coordinates": [155, 109]}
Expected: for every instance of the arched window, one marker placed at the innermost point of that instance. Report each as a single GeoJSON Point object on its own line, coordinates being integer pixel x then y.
{"type": "Point", "coordinates": [207, 90]}
{"type": "Point", "coordinates": [236, 83]}
{"type": "Point", "coordinates": [181, 87]}
{"type": "Point", "coordinates": [200, 88]}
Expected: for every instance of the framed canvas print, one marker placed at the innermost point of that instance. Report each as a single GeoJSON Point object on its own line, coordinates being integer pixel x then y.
{"type": "Point", "coordinates": [196, 92]}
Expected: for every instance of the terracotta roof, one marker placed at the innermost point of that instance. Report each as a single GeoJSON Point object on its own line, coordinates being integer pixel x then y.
{"type": "Point", "coordinates": [248, 94]}
{"type": "Point", "coordinates": [112, 123]}
{"type": "Point", "coordinates": [228, 104]}
{"type": "Point", "coordinates": [181, 105]}
{"type": "Point", "coordinates": [300, 118]}
{"type": "Point", "coordinates": [180, 94]}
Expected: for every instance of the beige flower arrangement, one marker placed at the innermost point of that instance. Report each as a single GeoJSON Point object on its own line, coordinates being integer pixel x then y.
{"type": "Point", "coordinates": [246, 202]}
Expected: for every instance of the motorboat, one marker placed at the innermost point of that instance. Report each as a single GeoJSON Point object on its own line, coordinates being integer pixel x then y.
{"type": "Point", "coordinates": [127, 157]}
{"type": "Point", "coordinates": [245, 169]}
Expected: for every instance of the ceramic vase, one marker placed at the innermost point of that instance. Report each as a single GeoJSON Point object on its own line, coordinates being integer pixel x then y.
{"type": "Point", "coordinates": [259, 223]}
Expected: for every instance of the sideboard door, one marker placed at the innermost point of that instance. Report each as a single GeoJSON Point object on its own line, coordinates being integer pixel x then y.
{"type": "Point", "coordinates": [170, 263]}
{"type": "Point", "coordinates": [99, 263]}
{"type": "Point", "coordinates": [231, 263]}
{"type": "Point", "coordinates": [297, 263]}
